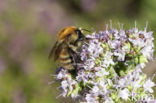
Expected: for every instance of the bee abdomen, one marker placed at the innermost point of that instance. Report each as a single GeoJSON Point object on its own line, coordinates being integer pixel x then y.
{"type": "Point", "coordinates": [66, 61]}
{"type": "Point", "coordinates": [64, 54]}
{"type": "Point", "coordinates": [69, 67]}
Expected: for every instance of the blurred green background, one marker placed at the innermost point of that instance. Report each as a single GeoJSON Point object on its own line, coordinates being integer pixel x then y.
{"type": "Point", "coordinates": [28, 29]}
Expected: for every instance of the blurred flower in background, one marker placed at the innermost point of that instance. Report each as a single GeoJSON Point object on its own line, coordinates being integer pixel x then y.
{"type": "Point", "coordinates": [28, 30]}
{"type": "Point", "coordinates": [2, 65]}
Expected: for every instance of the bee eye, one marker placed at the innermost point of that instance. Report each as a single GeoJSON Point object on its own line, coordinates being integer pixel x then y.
{"type": "Point", "coordinates": [81, 36]}
{"type": "Point", "coordinates": [68, 35]}
{"type": "Point", "coordinates": [78, 32]}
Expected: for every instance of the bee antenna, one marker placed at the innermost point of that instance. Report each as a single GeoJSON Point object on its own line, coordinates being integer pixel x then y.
{"type": "Point", "coordinates": [84, 29]}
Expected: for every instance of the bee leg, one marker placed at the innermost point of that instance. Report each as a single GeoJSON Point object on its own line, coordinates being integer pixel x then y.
{"type": "Point", "coordinates": [74, 51]}
{"type": "Point", "coordinates": [74, 48]}
{"type": "Point", "coordinates": [73, 57]}
{"type": "Point", "coordinates": [77, 58]}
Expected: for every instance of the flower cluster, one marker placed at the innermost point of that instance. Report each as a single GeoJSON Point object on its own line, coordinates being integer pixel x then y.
{"type": "Point", "coordinates": [111, 68]}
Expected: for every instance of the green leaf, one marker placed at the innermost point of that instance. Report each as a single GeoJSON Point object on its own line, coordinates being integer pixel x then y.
{"type": "Point", "coordinates": [103, 45]}
{"type": "Point", "coordinates": [130, 88]}
{"type": "Point", "coordinates": [142, 59]}
{"type": "Point", "coordinates": [69, 93]}
{"type": "Point", "coordinates": [97, 61]}
{"type": "Point", "coordinates": [77, 89]}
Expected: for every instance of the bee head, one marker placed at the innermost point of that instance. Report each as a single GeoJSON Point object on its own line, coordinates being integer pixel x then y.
{"type": "Point", "coordinates": [71, 34]}
{"type": "Point", "coordinates": [80, 34]}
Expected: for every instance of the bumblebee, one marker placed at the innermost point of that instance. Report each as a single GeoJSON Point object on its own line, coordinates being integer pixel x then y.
{"type": "Point", "coordinates": [67, 46]}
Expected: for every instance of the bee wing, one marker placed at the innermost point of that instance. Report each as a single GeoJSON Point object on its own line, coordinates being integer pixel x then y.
{"type": "Point", "coordinates": [55, 51]}
{"type": "Point", "coordinates": [52, 50]}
